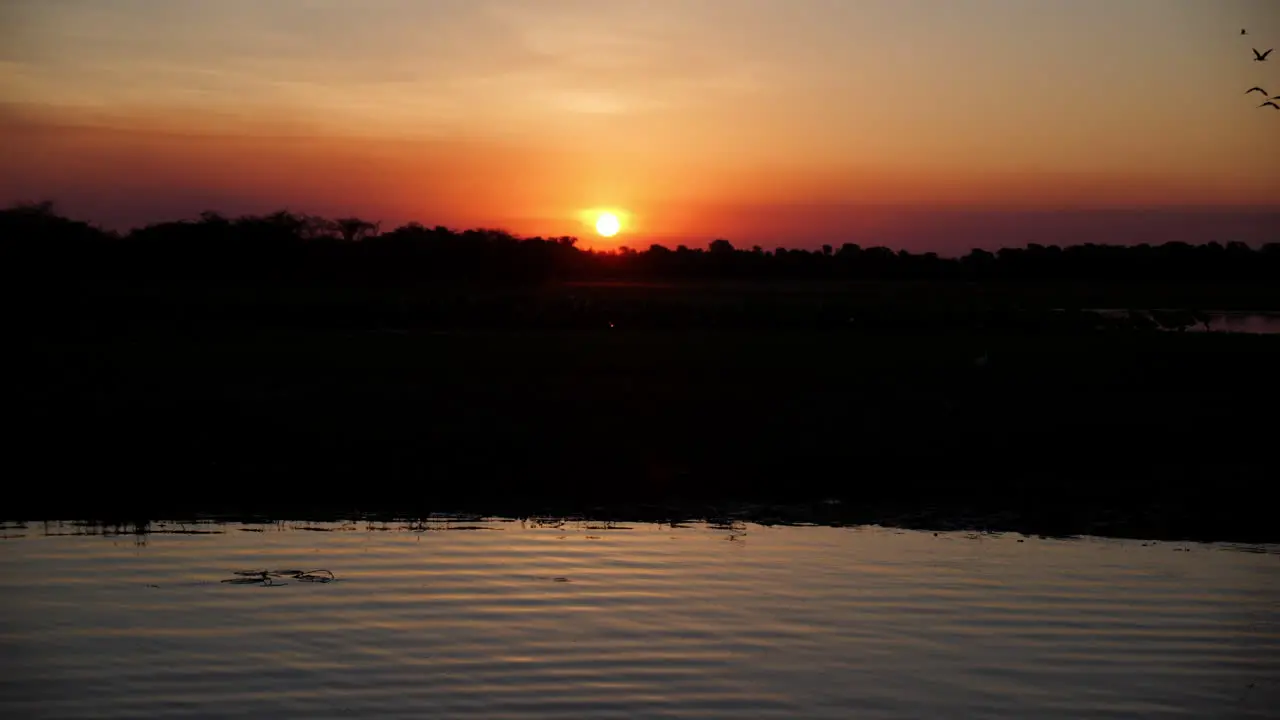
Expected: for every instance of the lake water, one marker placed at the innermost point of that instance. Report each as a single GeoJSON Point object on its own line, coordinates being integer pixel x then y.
{"type": "Point", "coordinates": [1244, 322]}
{"type": "Point", "coordinates": [1249, 323]}
{"type": "Point", "coordinates": [489, 619]}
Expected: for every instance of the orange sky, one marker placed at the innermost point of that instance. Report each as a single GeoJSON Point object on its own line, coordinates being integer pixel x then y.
{"type": "Point", "coordinates": [767, 122]}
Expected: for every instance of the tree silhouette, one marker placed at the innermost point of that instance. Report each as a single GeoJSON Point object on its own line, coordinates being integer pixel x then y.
{"type": "Point", "coordinates": [41, 246]}
{"type": "Point", "coordinates": [354, 229]}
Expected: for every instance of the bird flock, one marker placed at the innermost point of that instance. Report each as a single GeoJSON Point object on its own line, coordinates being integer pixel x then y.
{"type": "Point", "coordinates": [1261, 56]}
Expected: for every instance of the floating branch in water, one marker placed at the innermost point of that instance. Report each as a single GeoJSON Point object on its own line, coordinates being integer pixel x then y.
{"type": "Point", "coordinates": [266, 577]}
{"type": "Point", "coordinates": [250, 580]}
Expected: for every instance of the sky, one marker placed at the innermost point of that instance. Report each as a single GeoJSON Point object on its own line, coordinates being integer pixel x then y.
{"type": "Point", "coordinates": [920, 124]}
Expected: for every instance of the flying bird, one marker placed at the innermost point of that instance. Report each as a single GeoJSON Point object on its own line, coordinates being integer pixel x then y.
{"type": "Point", "coordinates": [1259, 57]}
{"type": "Point", "coordinates": [1256, 89]}
{"type": "Point", "coordinates": [1269, 104]}
{"type": "Point", "coordinates": [1243, 31]}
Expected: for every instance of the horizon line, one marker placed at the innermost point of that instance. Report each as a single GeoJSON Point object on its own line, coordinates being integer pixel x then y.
{"type": "Point", "coordinates": [648, 240]}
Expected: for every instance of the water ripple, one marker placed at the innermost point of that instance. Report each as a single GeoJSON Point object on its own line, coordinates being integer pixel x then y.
{"type": "Point", "coordinates": [580, 619]}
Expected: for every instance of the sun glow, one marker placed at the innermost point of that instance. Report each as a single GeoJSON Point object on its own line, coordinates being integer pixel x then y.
{"type": "Point", "coordinates": [605, 224]}
{"type": "Point", "coordinates": [608, 224]}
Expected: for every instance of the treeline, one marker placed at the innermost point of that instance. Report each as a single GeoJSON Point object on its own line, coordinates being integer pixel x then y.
{"type": "Point", "coordinates": [39, 245]}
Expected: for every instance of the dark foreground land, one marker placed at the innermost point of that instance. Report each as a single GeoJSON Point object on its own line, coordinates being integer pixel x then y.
{"type": "Point", "coordinates": [1159, 434]}
{"type": "Point", "coordinates": [282, 367]}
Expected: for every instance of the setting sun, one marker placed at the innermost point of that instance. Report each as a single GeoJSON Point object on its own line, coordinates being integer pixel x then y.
{"type": "Point", "coordinates": [607, 224]}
